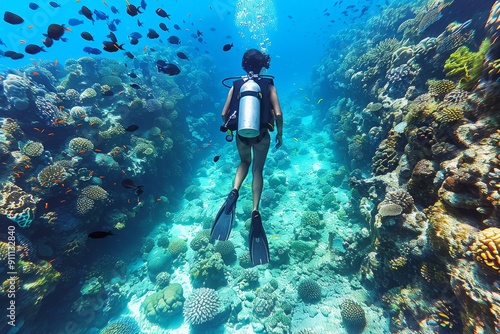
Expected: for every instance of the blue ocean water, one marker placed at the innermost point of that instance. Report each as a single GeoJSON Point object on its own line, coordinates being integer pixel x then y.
{"type": "Point", "coordinates": [113, 172]}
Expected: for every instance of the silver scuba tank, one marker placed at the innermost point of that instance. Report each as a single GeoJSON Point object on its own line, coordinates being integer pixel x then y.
{"type": "Point", "coordinates": [249, 110]}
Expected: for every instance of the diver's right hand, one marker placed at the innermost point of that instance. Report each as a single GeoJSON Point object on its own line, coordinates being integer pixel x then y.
{"type": "Point", "coordinates": [279, 140]}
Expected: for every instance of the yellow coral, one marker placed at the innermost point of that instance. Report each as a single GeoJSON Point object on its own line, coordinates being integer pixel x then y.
{"type": "Point", "coordinates": [466, 66]}
{"type": "Point", "coordinates": [440, 88]}
{"type": "Point", "coordinates": [114, 131]}
{"type": "Point", "coordinates": [486, 248]}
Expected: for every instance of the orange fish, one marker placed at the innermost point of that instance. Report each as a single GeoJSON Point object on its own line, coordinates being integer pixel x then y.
{"type": "Point", "coordinates": [30, 26]}
{"type": "Point", "coordinates": [22, 41]}
{"type": "Point", "coordinates": [91, 173]}
{"type": "Point", "coordinates": [81, 151]}
{"type": "Point", "coordinates": [68, 191]}
{"type": "Point", "coordinates": [50, 134]}
{"type": "Point", "coordinates": [56, 62]}
{"type": "Point", "coordinates": [63, 200]}
{"type": "Point", "coordinates": [101, 176]}
{"type": "Point", "coordinates": [97, 150]}
{"type": "Point", "coordinates": [36, 73]}
{"type": "Point", "coordinates": [145, 48]}
{"type": "Point", "coordinates": [46, 205]}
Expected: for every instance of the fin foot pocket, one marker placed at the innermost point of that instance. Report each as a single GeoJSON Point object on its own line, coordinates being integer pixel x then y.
{"type": "Point", "coordinates": [225, 217]}
{"type": "Point", "coordinates": [259, 247]}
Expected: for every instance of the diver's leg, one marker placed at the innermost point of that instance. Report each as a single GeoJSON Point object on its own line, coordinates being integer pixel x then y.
{"type": "Point", "coordinates": [259, 158]}
{"type": "Point", "coordinates": [246, 158]}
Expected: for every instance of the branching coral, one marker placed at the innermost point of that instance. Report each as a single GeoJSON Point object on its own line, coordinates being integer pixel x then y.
{"type": "Point", "coordinates": [466, 66]}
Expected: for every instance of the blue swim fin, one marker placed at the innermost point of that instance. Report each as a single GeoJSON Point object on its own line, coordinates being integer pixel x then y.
{"type": "Point", "coordinates": [259, 248]}
{"type": "Point", "coordinates": [224, 219]}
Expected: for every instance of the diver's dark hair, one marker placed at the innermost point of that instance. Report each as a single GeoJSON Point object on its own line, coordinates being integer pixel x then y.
{"type": "Point", "coordinates": [254, 60]}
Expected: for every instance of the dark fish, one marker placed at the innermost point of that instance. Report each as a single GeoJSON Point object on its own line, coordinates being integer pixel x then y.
{"type": "Point", "coordinates": [108, 93]}
{"type": "Point", "coordinates": [163, 26]}
{"type": "Point", "coordinates": [135, 86]}
{"type": "Point", "coordinates": [114, 10]}
{"type": "Point", "coordinates": [13, 55]}
{"type": "Point", "coordinates": [162, 13]}
{"type": "Point", "coordinates": [132, 128]}
{"type": "Point", "coordinates": [33, 6]}
{"type": "Point", "coordinates": [152, 34]}
{"type": "Point", "coordinates": [182, 55]}
{"type": "Point", "coordinates": [200, 39]}
{"type": "Point", "coordinates": [227, 47]}
{"type": "Point", "coordinates": [174, 40]}
{"type": "Point", "coordinates": [167, 68]}
{"type": "Point", "coordinates": [87, 36]}
{"type": "Point", "coordinates": [111, 25]}
{"type": "Point", "coordinates": [216, 158]}
{"type": "Point", "coordinates": [135, 35]}
{"type": "Point", "coordinates": [112, 37]}
{"type": "Point", "coordinates": [48, 42]}
{"type": "Point", "coordinates": [87, 13]}
{"type": "Point", "coordinates": [2, 43]}
{"type": "Point", "coordinates": [75, 22]}
{"type": "Point", "coordinates": [199, 33]}
{"type": "Point", "coordinates": [139, 23]}
{"type": "Point", "coordinates": [129, 54]}
{"type": "Point", "coordinates": [143, 4]}
{"type": "Point", "coordinates": [132, 75]}
{"type": "Point", "coordinates": [112, 47]}
{"type": "Point", "coordinates": [54, 4]}
{"type": "Point", "coordinates": [152, 49]}
{"type": "Point", "coordinates": [134, 41]}
{"type": "Point", "coordinates": [99, 234]}
{"type": "Point", "coordinates": [12, 18]}
{"type": "Point", "coordinates": [133, 10]}
{"type": "Point", "coordinates": [100, 15]}
{"type": "Point", "coordinates": [290, 17]}
{"type": "Point", "coordinates": [176, 26]}
{"type": "Point", "coordinates": [55, 31]}
{"type": "Point", "coordinates": [212, 29]}
{"type": "Point", "coordinates": [91, 50]}
{"type": "Point", "coordinates": [33, 49]}
{"type": "Point", "coordinates": [128, 183]}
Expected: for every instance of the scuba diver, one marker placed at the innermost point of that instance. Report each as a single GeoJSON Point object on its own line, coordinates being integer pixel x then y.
{"type": "Point", "coordinates": [251, 108]}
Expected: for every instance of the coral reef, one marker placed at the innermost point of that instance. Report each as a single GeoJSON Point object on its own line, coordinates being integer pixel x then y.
{"type": "Point", "coordinates": [309, 290]}
{"type": "Point", "coordinates": [163, 306]}
{"type": "Point", "coordinates": [201, 306]}
{"type": "Point", "coordinates": [353, 315]}
{"type": "Point", "coordinates": [17, 205]}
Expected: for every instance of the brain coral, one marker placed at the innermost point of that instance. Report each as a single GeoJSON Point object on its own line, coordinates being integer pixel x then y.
{"type": "Point", "coordinates": [352, 314]}
{"type": "Point", "coordinates": [309, 290]}
{"type": "Point", "coordinates": [400, 197]}
{"type": "Point", "coordinates": [80, 144]}
{"type": "Point", "coordinates": [88, 94]}
{"type": "Point", "coordinates": [486, 248]}
{"type": "Point", "coordinates": [201, 306]}
{"type": "Point", "coordinates": [17, 205]}
{"type": "Point", "coordinates": [77, 112]}
{"type": "Point", "coordinates": [52, 175]}
{"type": "Point", "coordinates": [94, 192]}
{"type": "Point", "coordinates": [440, 88]}
{"type": "Point", "coordinates": [124, 325]}
{"type": "Point", "coordinates": [33, 149]}
{"type": "Point", "coordinates": [177, 247]}
{"type": "Point", "coordinates": [162, 306]}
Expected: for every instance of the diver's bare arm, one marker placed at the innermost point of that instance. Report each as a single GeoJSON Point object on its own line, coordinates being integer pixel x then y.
{"type": "Point", "coordinates": [277, 109]}
{"type": "Point", "coordinates": [225, 110]}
